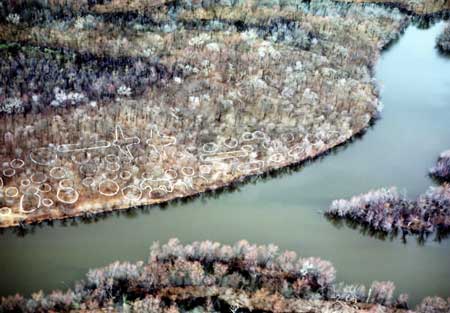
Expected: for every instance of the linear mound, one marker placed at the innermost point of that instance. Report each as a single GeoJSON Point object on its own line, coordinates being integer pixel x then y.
{"type": "Point", "coordinates": [107, 106]}
{"type": "Point", "coordinates": [211, 277]}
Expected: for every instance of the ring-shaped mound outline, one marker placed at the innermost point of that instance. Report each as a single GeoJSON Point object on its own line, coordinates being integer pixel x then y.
{"type": "Point", "coordinates": [49, 163]}
{"type": "Point", "coordinates": [259, 134]}
{"type": "Point", "coordinates": [170, 170]}
{"type": "Point", "coordinates": [66, 190]}
{"type": "Point", "coordinates": [113, 156]}
{"type": "Point", "coordinates": [13, 162]}
{"type": "Point", "coordinates": [33, 178]}
{"type": "Point", "coordinates": [108, 194]}
{"type": "Point", "coordinates": [183, 171]}
{"type": "Point", "coordinates": [88, 185]}
{"type": "Point", "coordinates": [130, 187]}
{"type": "Point", "coordinates": [205, 169]}
{"type": "Point", "coordinates": [9, 172]}
{"type": "Point", "coordinates": [113, 167]}
{"type": "Point", "coordinates": [247, 136]}
{"type": "Point", "coordinates": [47, 202]}
{"type": "Point", "coordinates": [25, 182]}
{"type": "Point", "coordinates": [58, 168]}
{"type": "Point", "coordinates": [32, 209]}
{"type": "Point", "coordinates": [74, 160]}
{"type": "Point", "coordinates": [48, 188]}
{"type": "Point", "coordinates": [125, 175]}
{"type": "Point", "coordinates": [14, 195]}
{"type": "Point", "coordinates": [62, 183]}
{"type": "Point", "coordinates": [5, 209]}
{"type": "Point", "coordinates": [214, 147]}
{"type": "Point", "coordinates": [229, 145]}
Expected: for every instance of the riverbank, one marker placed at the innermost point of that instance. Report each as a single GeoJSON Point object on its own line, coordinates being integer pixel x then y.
{"type": "Point", "coordinates": [386, 210]}
{"type": "Point", "coordinates": [425, 8]}
{"type": "Point", "coordinates": [211, 277]}
{"type": "Point", "coordinates": [248, 90]}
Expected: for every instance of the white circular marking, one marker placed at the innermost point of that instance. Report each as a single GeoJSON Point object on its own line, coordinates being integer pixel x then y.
{"type": "Point", "coordinates": [9, 172]}
{"type": "Point", "coordinates": [38, 178]}
{"type": "Point", "coordinates": [88, 169]}
{"type": "Point", "coordinates": [17, 163]}
{"type": "Point", "coordinates": [181, 183]}
{"type": "Point", "coordinates": [187, 171]}
{"type": "Point", "coordinates": [247, 148]}
{"type": "Point", "coordinates": [125, 175]}
{"type": "Point", "coordinates": [112, 158]}
{"type": "Point", "coordinates": [88, 182]}
{"type": "Point", "coordinates": [32, 209]}
{"type": "Point", "coordinates": [83, 161]}
{"type": "Point", "coordinates": [266, 144]}
{"type": "Point", "coordinates": [198, 180]}
{"type": "Point", "coordinates": [47, 202]}
{"type": "Point", "coordinates": [113, 167]}
{"type": "Point", "coordinates": [171, 173]}
{"type": "Point", "coordinates": [276, 158]}
{"type": "Point", "coordinates": [210, 147]}
{"type": "Point", "coordinates": [5, 211]}
{"type": "Point", "coordinates": [295, 152]}
{"type": "Point", "coordinates": [70, 195]}
{"type": "Point", "coordinates": [231, 143]}
{"type": "Point", "coordinates": [288, 137]}
{"type": "Point", "coordinates": [45, 188]}
{"type": "Point", "coordinates": [259, 135]}
{"type": "Point", "coordinates": [132, 193]}
{"type": "Point", "coordinates": [205, 169]}
{"type": "Point", "coordinates": [108, 191]}
{"type": "Point", "coordinates": [247, 136]}
{"type": "Point", "coordinates": [66, 184]}
{"type": "Point", "coordinates": [11, 192]}
{"type": "Point", "coordinates": [25, 182]}
{"type": "Point", "coordinates": [157, 193]}
{"type": "Point", "coordinates": [168, 140]}
{"type": "Point", "coordinates": [58, 172]}
{"type": "Point", "coordinates": [34, 157]}
{"type": "Point", "coordinates": [32, 190]}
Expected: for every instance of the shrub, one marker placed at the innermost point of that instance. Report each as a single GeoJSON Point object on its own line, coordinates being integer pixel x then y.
{"type": "Point", "coordinates": [443, 40]}
{"type": "Point", "coordinates": [381, 292]}
{"type": "Point", "coordinates": [387, 211]}
{"type": "Point", "coordinates": [442, 168]}
{"type": "Point", "coordinates": [433, 305]}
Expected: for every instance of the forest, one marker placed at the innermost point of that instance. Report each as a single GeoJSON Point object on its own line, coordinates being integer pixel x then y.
{"type": "Point", "coordinates": [115, 105]}
{"type": "Point", "coordinates": [387, 210]}
{"type": "Point", "coordinates": [209, 277]}
{"type": "Point", "coordinates": [104, 111]}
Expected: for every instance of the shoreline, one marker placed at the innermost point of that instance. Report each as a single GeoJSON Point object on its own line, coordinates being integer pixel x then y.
{"type": "Point", "coordinates": [293, 153]}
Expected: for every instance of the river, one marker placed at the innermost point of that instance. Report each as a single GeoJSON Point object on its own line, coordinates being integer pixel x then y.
{"type": "Point", "coordinates": [397, 151]}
